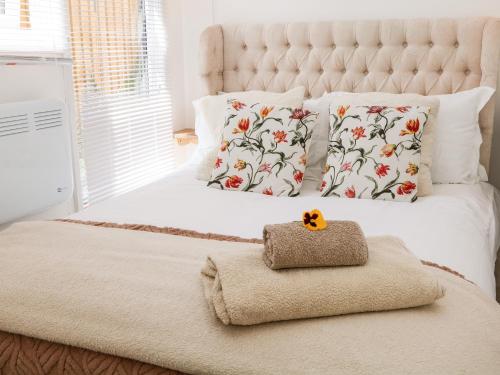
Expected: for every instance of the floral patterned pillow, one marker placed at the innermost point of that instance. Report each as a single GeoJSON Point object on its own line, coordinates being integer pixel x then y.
{"type": "Point", "coordinates": [263, 149]}
{"type": "Point", "coordinates": [374, 152]}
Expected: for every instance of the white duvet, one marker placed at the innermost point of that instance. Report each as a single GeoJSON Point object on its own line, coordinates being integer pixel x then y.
{"type": "Point", "coordinates": [457, 226]}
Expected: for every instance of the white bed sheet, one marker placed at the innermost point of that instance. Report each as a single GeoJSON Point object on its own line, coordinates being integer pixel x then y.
{"type": "Point", "coordinates": [457, 226]}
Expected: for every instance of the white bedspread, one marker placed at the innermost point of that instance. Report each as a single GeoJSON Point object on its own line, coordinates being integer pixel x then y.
{"type": "Point", "coordinates": [457, 226]}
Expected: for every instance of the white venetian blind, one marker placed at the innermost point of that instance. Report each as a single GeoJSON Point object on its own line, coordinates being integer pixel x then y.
{"type": "Point", "coordinates": [33, 27]}
{"type": "Point", "coordinates": [124, 110]}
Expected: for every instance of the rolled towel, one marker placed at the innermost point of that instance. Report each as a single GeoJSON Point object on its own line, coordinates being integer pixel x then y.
{"type": "Point", "coordinates": [291, 245]}
{"type": "Point", "coordinates": [243, 291]}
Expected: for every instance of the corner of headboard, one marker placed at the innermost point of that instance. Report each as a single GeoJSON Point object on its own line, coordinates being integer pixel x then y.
{"type": "Point", "coordinates": [490, 56]}
{"type": "Point", "coordinates": [211, 60]}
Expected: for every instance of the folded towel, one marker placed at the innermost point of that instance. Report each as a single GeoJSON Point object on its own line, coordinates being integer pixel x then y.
{"type": "Point", "coordinates": [243, 291]}
{"type": "Point", "coordinates": [292, 245]}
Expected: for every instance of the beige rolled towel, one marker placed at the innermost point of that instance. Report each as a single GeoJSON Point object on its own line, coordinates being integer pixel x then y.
{"type": "Point", "coordinates": [291, 245]}
{"type": "Point", "coordinates": [243, 291]}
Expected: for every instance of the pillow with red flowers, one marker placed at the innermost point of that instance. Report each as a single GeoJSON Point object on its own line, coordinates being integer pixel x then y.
{"type": "Point", "coordinates": [263, 149]}
{"type": "Point", "coordinates": [374, 152]}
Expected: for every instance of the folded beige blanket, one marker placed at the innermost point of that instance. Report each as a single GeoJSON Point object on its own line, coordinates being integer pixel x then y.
{"type": "Point", "coordinates": [243, 291]}
{"type": "Point", "coordinates": [139, 295]}
{"type": "Point", "coordinates": [290, 245]}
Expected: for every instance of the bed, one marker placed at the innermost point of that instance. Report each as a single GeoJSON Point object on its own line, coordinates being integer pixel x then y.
{"type": "Point", "coordinates": [457, 227]}
{"type": "Point", "coordinates": [180, 200]}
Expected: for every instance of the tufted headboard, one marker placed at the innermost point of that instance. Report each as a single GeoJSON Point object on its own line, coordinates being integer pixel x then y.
{"type": "Point", "coordinates": [424, 56]}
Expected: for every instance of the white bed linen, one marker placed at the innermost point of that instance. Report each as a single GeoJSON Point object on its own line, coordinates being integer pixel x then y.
{"type": "Point", "coordinates": [457, 226]}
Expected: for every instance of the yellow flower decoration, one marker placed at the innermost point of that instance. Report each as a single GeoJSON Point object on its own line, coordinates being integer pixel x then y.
{"type": "Point", "coordinates": [240, 165]}
{"type": "Point", "coordinates": [412, 169]}
{"type": "Point", "coordinates": [313, 220]}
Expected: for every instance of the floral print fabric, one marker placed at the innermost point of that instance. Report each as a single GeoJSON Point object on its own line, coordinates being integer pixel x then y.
{"type": "Point", "coordinates": [263, 149]}
{"type": "Point", "coordinates": [374, 152]}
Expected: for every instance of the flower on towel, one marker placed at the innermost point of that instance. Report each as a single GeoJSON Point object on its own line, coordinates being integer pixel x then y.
{"type": "Point", "coordinates": [218, 162]}
{"type": "Point", "coordinates": [350, 192]}
{"type": "Point", "coordinates": [346, 167]}
{"type": "Point", "coordinates": [406, 188]}
{"type": "Point", "coordinates": [358, 132]}
{"type": "Point", "coordinates": [280, 136]}
{"type": "Point", "coordinates": [412, 169]}
{"type": "Point", "coordinates": [341, 110]}
{"type": "Point", "coordinates": [264, 111]}
{"type": "Point", "coordinates": [243, 126]}
{"type": "Point", "coordinates": [265, 167]}
{"type": "Point", "coordinates": [382, 169]}
{"type": "Point", "coordinates": [313, 220]}
{"type": "Point", "coordinates": [323, 185]}
{"type": "Point", "coordinates": [299, 113]}
{"type": "Point", "coordinates": [238, 105]}
{"type": "Point", "coordinates": [240, 165]}
{"type": "Point", "coordinates": [403, 109]}
{"type": "Point", "coordinates": [268, 191]}
{"type": "Point", "coordinates": [388, 150]}
{"type": "Point", "coordinates": [412, 126]}
{"type": "Point", "coordinates": [224, 145]}
{"type": "Point", "coordinates": [233, 182]}
{"type": "Point", "coordinates": [298, 176]}
{"type": "Point", "coordinates": [375, 109]}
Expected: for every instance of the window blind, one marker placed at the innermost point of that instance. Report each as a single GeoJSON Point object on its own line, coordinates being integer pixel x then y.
{"type": "Point", "coordinates": [124, 120]}
{"type": "Point", "coordinates": [33, 27]}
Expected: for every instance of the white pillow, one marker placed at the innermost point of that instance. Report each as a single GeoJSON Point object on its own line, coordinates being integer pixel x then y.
{"type": "Point", "coordinates": [319, 144]}
{"type": "Point", "coordinates": [457, 138]}
{"type": "Point", "coordinates": [210, 116]}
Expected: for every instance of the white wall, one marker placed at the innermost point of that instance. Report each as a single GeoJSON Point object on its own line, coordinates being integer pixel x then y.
{"type": "Point", "coordinates": [198, 14]}
{"type": "Point", "coordinates": [175, 55]}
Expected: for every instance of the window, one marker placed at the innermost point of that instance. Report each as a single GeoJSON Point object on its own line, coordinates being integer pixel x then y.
{"type": "Point", "coordinates": [120, 80]}
{"type": "Point", "coordinates": [33, 27]}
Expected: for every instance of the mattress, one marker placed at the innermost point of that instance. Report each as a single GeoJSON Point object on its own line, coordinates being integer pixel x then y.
{"type": "Point", "coordinates": [457, 226]}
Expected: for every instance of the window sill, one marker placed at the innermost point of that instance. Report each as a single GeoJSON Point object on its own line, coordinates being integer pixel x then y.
{"type": "Point", "coordinates": [34, 58]}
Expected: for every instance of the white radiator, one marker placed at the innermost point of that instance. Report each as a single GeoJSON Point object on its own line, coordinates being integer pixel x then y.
{"type": "Point", "coordinates": [35, 157]}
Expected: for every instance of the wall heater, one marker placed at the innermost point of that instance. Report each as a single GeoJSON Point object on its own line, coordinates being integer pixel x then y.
{"type": "Point", "coordinates": [35, 157]}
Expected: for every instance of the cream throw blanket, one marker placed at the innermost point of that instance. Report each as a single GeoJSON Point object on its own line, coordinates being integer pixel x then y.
{"type": "Point", "coordinates": [140, 295]}
{"type": "Point", "coordinates": [244, 291]}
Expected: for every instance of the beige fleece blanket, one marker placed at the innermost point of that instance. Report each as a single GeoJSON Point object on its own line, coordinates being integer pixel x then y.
{"type": "Point", "coordinates": [140, 295]}
{"type": "Point", "coordinates": [244, 291]}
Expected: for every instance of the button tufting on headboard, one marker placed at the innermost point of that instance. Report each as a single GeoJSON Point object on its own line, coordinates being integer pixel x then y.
{"type": "Point", "coordinates": [423, 56]}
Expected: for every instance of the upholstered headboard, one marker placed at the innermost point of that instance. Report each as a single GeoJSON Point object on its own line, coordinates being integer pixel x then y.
{"type": "Point", "coordinates": [421, 56]}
